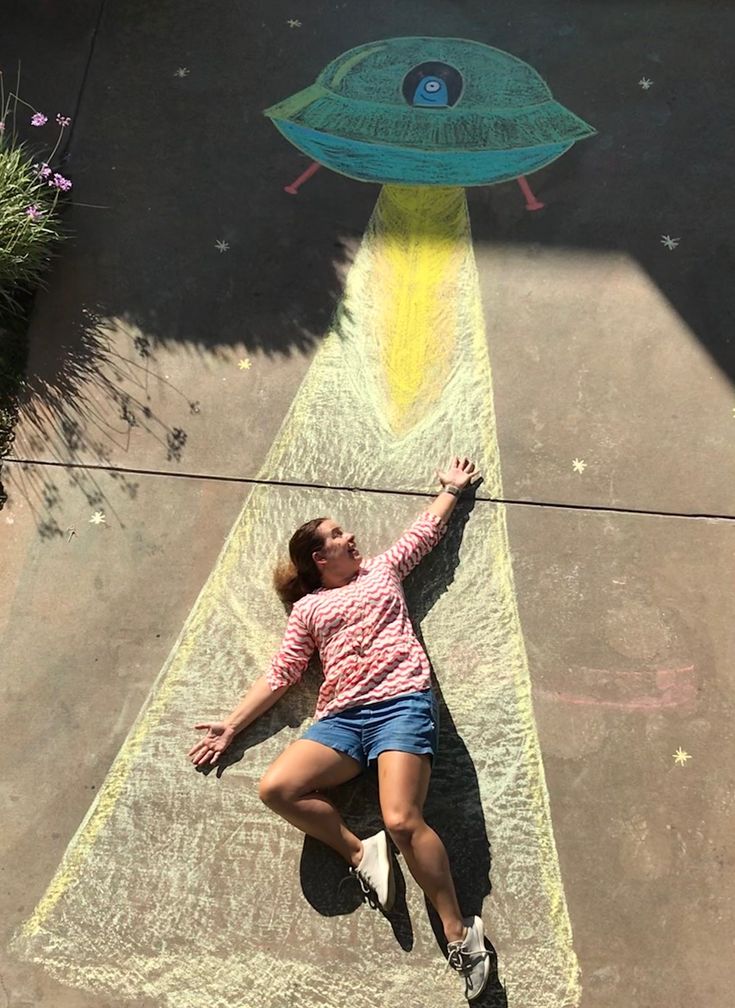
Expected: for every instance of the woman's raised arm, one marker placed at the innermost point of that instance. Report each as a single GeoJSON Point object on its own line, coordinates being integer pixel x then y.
{"type": "Point", "coordinates": [426, 531]}
{"type": "Point", "coordinates": [456, 478]}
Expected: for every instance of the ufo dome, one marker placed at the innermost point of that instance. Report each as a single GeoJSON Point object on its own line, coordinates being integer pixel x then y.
{"type": "Point", "coordinates": [429, 111]}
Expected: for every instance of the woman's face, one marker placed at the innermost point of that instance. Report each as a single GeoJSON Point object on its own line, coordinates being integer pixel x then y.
{"type": "Point", "coordinates": [339, 557]}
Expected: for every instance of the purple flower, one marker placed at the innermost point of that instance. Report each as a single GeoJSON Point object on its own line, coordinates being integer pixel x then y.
{"type": "Point", "coordinates": [39, 119]}
{"type": "Point", "coordinates": [59, 182]}
{"type": "Point", "coordinates": [42, 169]}
{"type": "Point", "coordinates": [2, 127]}
{"type": "Point", "coordinates": [63, 120]}
{"type": "Point", "coordinates": [34, 211]}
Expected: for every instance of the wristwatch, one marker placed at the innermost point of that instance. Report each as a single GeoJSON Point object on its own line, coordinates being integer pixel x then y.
{"type": "Point", "coordinates": [450, 488]}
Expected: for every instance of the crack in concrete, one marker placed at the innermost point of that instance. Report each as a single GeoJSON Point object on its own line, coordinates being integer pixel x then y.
{"type": "Point", "coordinates": [83, 83]}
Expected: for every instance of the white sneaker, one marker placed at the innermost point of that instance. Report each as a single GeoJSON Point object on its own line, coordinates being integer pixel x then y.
{"type": "Point", "coordinates": [470, 958]}
{"type": "Point", "coordinates": [375, 872]}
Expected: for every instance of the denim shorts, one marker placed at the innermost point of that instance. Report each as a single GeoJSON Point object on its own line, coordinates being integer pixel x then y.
{"type": "Point", "coordinates": [408, 723]}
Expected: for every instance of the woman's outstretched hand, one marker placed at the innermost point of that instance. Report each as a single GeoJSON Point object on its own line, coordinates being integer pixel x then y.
{"type": "Point", "coordinates": [460, 473]}
{"type": "Point", "coordinates": [210, 748]}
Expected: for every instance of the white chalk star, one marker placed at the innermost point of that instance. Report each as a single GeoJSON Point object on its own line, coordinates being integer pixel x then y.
{"type": "Point", "coordinates": [244, 364]}
{"type": "Point", "coordinates": [579, 465]}
{"type": "Point", "coordinates": [181, 72]}
{"type": "Point", "coordinates": [645, 83]}
{"type": "Point", "coordinates": [222, 246]}
{"type": "Point", "coordinates": [98, 518]}
{"type": "Point", "coordinates": [293, 23]}
{"type": "Point", "coordinates": [680, 757]}
{"type": "Point", "coordinates": [670, 242]}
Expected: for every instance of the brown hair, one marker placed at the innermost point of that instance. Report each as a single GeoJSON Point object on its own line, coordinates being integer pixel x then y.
{"type": "Point", "coordinates": [298, 576]}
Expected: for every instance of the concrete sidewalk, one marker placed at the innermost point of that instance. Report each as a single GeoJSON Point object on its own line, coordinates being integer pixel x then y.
{"type": "Point", "coordinates": [189, 406]}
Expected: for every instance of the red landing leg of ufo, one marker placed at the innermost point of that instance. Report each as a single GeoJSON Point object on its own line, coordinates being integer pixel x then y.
{"type": "Point", "coordinates": [531, 202]}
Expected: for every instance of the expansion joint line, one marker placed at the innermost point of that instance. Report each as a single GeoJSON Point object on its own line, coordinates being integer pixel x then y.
{"type": "Point", "coordinates": [64, 154]}
{"type": "Point", "coordinates": [296, 485]}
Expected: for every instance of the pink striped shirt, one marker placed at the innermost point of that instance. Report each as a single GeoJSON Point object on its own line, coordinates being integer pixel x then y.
{"type": "Point", "coordinates": [362, 630]}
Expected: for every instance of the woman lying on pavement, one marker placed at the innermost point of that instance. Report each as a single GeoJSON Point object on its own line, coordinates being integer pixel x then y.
{"type": "Point", "coordinates": [376, 705]}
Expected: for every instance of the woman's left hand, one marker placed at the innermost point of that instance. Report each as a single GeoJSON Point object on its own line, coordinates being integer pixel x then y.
{"type": "Point", "coordinates": [460, 473]}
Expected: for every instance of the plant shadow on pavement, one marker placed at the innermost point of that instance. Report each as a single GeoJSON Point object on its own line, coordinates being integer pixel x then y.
{"type": "Point", "coordinates": [81, 400]}
{"type": "Point", "coordinates": [454, 804]}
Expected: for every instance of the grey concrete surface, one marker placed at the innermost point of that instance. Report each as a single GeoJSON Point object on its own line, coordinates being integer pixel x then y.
{"type": "Point", "coordinates": [604, 345]}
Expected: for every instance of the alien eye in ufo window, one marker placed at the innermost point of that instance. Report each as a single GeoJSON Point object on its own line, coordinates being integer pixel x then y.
{"type": "Point", "coordinates": [432, 85]}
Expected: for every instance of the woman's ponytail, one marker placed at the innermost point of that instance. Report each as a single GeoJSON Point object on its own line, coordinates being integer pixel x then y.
{"type": "Point", "coordinates": [288, 583]}
{"type": "Point", "coordinates": [298, 576]}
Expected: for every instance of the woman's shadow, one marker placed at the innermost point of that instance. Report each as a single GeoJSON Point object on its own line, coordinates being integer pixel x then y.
{"type": "Point", "coordinates": [453, 807]}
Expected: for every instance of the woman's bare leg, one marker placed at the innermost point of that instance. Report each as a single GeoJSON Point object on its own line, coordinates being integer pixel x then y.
{"type": "Point", "coordinates": [403, 779]}
{"type": "Point", "coordinates": [291, 786]}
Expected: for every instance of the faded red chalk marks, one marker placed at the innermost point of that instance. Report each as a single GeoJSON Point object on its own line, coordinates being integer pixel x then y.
{"type": "Point", "coordinates": [294, 187]}
{"type": "Point", "coordinates": [674, 688]}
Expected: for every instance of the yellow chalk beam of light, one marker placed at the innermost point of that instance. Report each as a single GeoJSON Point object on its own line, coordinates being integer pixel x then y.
{"type": "Point", "coordinates": [419, 243]}
{"type": "Point", "coordinates": [202, 863]}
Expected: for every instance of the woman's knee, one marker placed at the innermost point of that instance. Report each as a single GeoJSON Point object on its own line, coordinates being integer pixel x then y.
{"type": "Point", "coordinates": [402, 824]}
{"type": "Point", "coordinates": [274, 791]}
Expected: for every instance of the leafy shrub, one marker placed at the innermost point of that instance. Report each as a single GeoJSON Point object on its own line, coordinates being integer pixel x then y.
{"type": "Point", "coordinates": [30, 229]}
{"type": "Point", "coordinates": [30, 225]}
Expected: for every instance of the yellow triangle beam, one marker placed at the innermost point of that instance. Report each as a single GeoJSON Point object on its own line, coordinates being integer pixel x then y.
{"type": "Point", "coordinates": [185, 888]}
